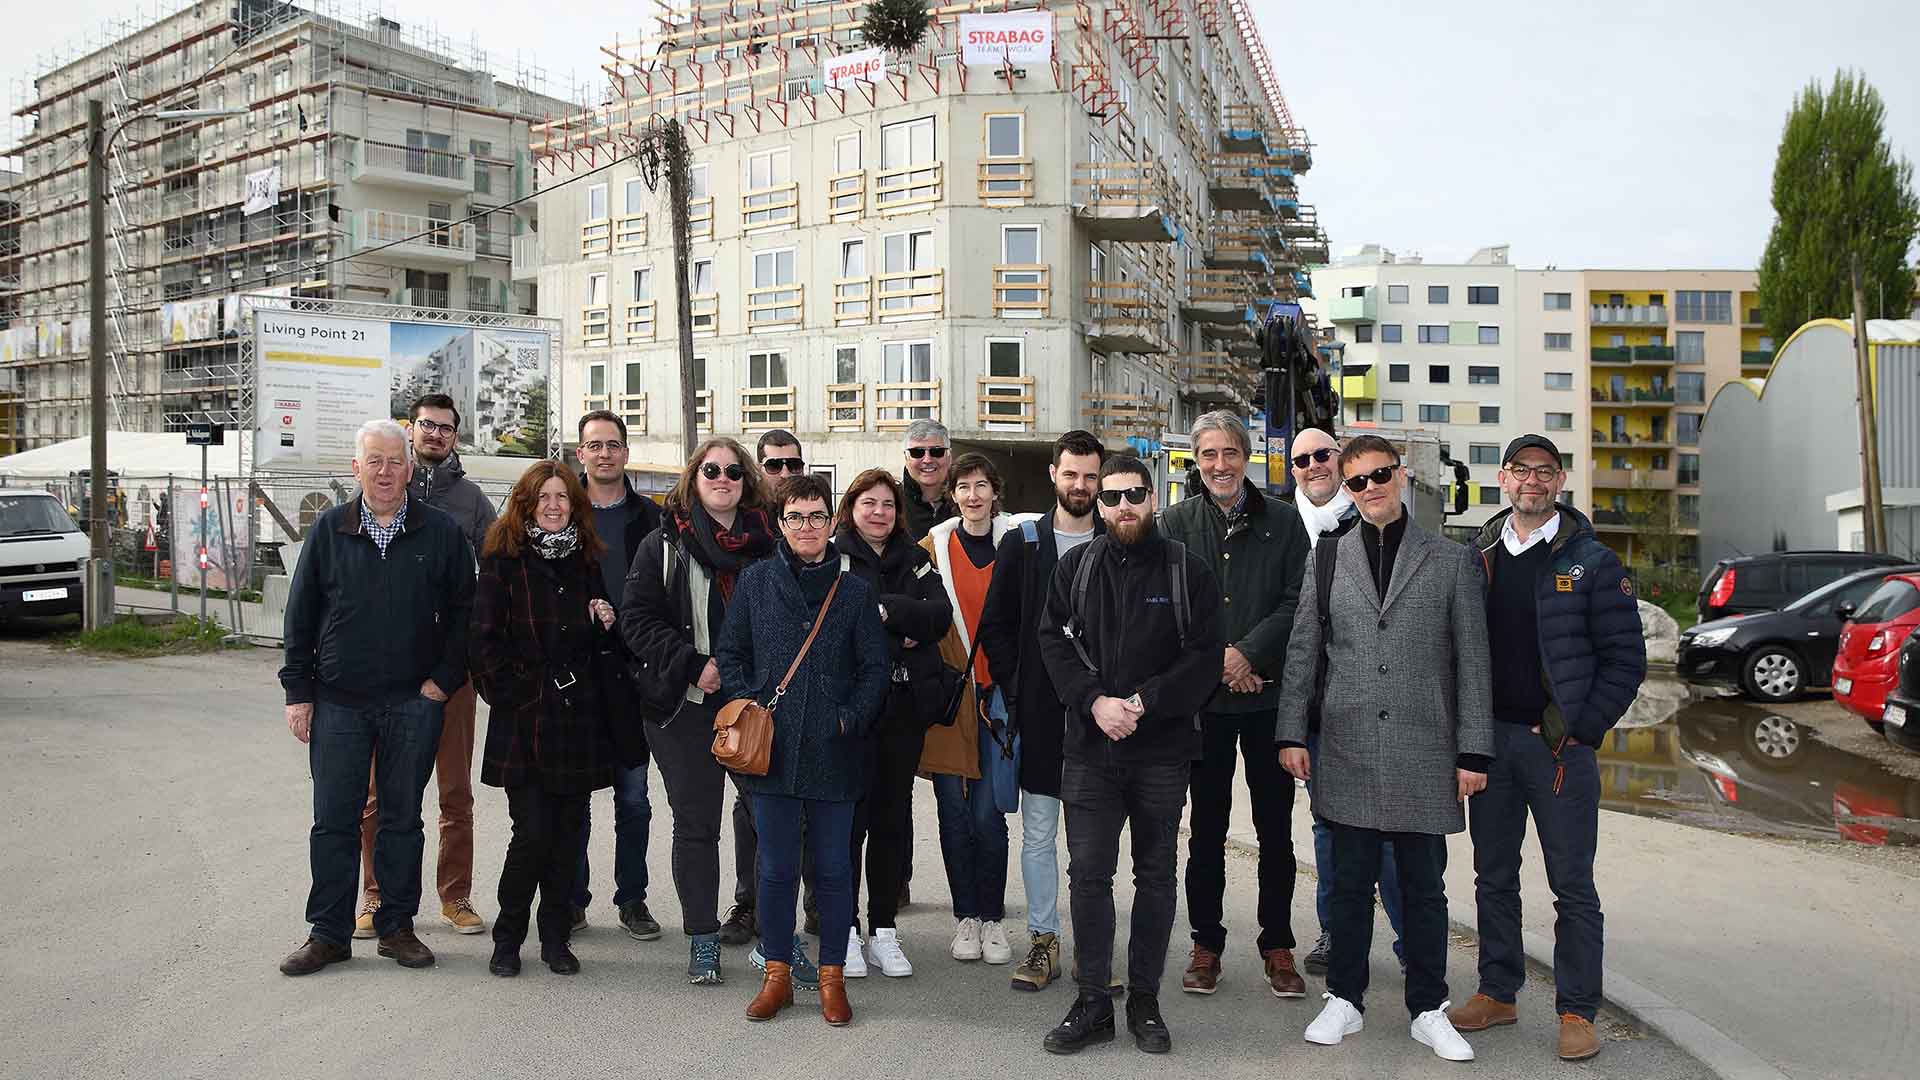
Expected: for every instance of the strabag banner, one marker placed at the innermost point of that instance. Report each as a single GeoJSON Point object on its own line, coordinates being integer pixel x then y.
{"type": "Point", "coordinates": [1024, 37]}
{"type": "Point", "coordinates": [840, 71]}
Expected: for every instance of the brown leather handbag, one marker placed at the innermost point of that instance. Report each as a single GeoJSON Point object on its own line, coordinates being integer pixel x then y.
{"type": "Point", "coordinates": [743, 729]}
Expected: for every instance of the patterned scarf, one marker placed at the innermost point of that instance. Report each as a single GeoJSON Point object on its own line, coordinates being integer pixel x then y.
{"type": "Point", "coordinates": [726, 552]}
{"type": "Point", "coordinates": [554, 545]}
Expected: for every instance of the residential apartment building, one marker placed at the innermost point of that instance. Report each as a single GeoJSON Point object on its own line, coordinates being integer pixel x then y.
{"type": "Point", "coordinates": [384, 144]}
{"type": "Point", "coordinates": [1013, 249]}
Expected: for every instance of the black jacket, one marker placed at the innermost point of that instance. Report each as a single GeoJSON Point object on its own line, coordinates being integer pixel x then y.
{"type": "Point", "coordinates": [656, 620]}
{"type": "Point", "coordinates": [1259, 570]}
{"type": "Point", "coordinates": [1009, 635]}
{"type": "Point", "coordinates": [445, 487]}
{"type": "Point", "coordinates": [910, 589]}
{"type": "Point", "coordinates": [922, 515]}
{"type": "Point", "coordinates": [364, 630]}
{"type": "Point", "coordinates": [1130, 631]}
{"type": "Point", "coordinates": [643, 516]}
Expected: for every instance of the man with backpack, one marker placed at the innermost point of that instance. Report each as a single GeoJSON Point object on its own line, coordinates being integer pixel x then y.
{"type": "Point", "coordinates": [1131, 638]}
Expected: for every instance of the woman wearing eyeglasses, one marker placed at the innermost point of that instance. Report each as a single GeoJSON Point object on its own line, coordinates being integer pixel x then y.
{"type": "Point", "coordinates": [680, 592]}
{"type": "Point", "coordinates": [822, 723]}
{"type": "Point", "coordinates": [973, 831]}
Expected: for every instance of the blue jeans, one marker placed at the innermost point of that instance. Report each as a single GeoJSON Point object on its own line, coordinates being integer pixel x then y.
{"type": "Point", "coordinates": [1040, 861]}
{"type": "Point", "coordinates": [973, 841]}
{"type": "Point", "coordinates": [826, 828]}
{"type": "Point", "coordinates": [1324, 871]}
{"type": "Point", "coordinates": [340, 754]}
{"type": "Point", "coordinates": [632, 820]}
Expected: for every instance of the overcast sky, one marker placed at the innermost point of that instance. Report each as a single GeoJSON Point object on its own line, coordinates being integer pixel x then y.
{"type": "Point", "coordinates": [1636, 134]}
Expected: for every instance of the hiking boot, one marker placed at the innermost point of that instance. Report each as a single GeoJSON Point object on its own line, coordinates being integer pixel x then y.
{"type": "Point", "coordinates": [994, 948]}
{"type": "Point", "coordinates": [1317, 959]}
{"type": "Point", "coordinates": [1089, 1021]}
{"type": "Point", "coordinates": [703, 960]}
{"type": "Point", "coordinates": [1285, 981]}
{"type": "Point", "coordinates": [740, 928]}
{"type": "Point", "coordinates": [1578, 1041]}
{"type": "Point", "coordinates": [560, 959]}
{"type": "Point", "coordinates": [638, 921]}
{"type": "Point", "coordinates": [805, 975]}
{"type": "Point", "coordinates": [1203, 972]}
{"type": "Point", "coordinates": [363, 924]}
{"type": "Point", "coordinates": [314, 955]}
{"type": "Point", "coordinates": [1433, 1029]}
{"type": "Point", "coordinates": [404, 949]}
{"type": "Point", "coordinates": [460, 915]}
{"type": "Point", "coordinates": [1042, 964]}
{"type": "Point", "coordinates": [776, 991]}
{"type": "Point", "coordinates": [1482, 1012]}
{"type": "Point", "coordinates": [1149, 1028]}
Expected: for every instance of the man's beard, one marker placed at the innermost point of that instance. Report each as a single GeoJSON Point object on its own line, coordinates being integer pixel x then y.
{"type": "Point", "coordinates": [425, 457]}
{"type": "Point", "coordinates": [1075, 504]}
{"type": "Point", "coordinates": [1132, 532]}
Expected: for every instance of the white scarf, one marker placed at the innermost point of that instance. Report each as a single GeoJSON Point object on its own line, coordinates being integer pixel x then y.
{"type": "Point", "coordinates": [1321, 520]}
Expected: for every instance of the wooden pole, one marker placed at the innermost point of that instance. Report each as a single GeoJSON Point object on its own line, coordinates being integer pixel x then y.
{"type": "Point", "coordinates": [675, 153]}
{"type": "Point", "coordinates": [1872, 515]}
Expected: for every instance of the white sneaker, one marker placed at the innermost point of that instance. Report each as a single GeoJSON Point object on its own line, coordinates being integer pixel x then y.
{"type": "Point", "coordinates": [885, 950]}
{"type": "Point", "coordinates": [856, 966]}
{"type": "Point", "coordinates": [1337, 1021]}
{"type": "Point", "coordinates": [1432, 1028]}
{"type": "Point", "coordinates": [993, 943]}
{"type": "Point", "coordinates": [966, 939]}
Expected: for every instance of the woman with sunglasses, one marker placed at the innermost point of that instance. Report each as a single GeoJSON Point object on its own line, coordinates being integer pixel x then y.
{"type": "Point", "coordinates": [803, 606]}
{"type": "Point", "coordinates": [680, 593]}
{"type": "Point", "coordinates": [871, 531]}
{"type": "Point", "coordinates": [973, 831]}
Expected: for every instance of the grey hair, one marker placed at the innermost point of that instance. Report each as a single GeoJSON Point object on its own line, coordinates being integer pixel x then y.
{"type": "Point", "coordinates": [1223, 420]}
{"type": "Point", "coordinates": [378, 429]}
{"type": "Point", "coordinates": [921, 430]}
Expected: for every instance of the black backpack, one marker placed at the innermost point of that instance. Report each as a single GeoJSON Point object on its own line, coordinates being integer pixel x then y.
{"type": "Point", "coordinates": [1083, 576]}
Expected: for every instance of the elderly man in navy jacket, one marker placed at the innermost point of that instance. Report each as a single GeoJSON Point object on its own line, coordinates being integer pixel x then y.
{"type": "Point", "coordinates": [1568, 658]}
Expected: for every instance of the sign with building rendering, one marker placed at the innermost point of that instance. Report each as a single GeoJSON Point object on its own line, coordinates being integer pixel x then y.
{"type": "Point", "coordinates": [841, 71]}
{"type": "Point", "coordinates": [322, 376]}
{"type": "Point", "coordinates": [1024, 37]}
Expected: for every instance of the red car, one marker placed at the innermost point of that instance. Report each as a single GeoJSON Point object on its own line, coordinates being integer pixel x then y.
{"type": "Point", "coordinates": [1866, 668]}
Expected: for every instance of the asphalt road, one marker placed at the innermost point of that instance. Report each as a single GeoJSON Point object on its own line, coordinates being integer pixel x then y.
{"type": "Point", "coordinates": [153, 862]}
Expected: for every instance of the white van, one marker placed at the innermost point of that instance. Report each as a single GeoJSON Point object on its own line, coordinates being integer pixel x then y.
{"type": "Point", "coordinates": [43, 555]}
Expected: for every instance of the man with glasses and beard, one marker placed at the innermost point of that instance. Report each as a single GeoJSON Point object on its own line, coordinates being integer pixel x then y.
{"type": "Point", "coordinates": [1131, 639]}
{"type": "Point", "coordinates": [1009, 636]}
{"type": "Point", "coordinates": [1406, 732]}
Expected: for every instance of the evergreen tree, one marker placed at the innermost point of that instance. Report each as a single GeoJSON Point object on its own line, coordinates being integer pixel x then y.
{"type": "Point", "coordinates": [1838, 189]}
{"type": "Point", "coordinates": [897, 26]}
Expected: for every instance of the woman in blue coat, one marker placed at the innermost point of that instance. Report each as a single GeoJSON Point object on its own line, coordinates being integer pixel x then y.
{"type": "Point", "coordinates": [817, 771]}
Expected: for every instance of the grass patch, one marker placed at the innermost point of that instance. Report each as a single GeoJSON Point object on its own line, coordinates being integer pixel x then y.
{"type": "Point", "coordinates": [133, 637]}
{"type": "Point", "coordinates": [136, 581]}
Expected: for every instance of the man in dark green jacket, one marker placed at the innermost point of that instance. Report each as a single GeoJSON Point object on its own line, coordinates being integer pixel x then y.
{"type": "Point", "coordinates": [1257, 547]}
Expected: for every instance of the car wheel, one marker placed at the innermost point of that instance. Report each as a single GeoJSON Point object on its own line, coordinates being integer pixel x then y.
{"type": "Point", "coordinates": [1774, 742]}
{"type": "Point", "coordinates": [1774, 673]}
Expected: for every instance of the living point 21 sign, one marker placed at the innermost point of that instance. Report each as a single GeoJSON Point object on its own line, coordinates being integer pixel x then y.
{"type": "Point", "coordinates": [1024, 37]}
{"type": "Point", "coordinates": [322, 376]}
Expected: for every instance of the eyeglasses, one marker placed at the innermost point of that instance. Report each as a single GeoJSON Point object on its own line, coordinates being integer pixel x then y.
{"type": "Point", "coordinates": [1319, 457]}
{"type": "Point", "coordinates": [790, 465]}
{"type": "Point", "coordinates": [918, 452]}
{"type": "Point", "coordinates": [1542, 473]}
{"type": "Point", "coordinates": [815, 520]}
{"type": "Point", "coordinates": [612, 446]}
{"type": "Point", "coordinates": [1381, 476]}
{"type": "Point", "coordinates": [736, 472]}
{"type": "Point", "coordinates": [1133, 495]}
{"type": "Point", "coordinates": [434, 428]}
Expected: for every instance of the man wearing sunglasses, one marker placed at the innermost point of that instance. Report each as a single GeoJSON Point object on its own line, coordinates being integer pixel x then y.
{"type": "Point", "coordinates": [928, 455]}
{"type": "Point", "coordinates": [779, 454]}
{"type": "Point", "coordinates": [1406, 733]}
{"type": "Point", "coordinates": [1134, 680]}
{"type": "Point", "coordinates": [1565, 634]}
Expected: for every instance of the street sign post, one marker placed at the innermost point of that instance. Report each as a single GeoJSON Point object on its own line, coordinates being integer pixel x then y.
{"type": "Point", "coordinates": [204, 435]}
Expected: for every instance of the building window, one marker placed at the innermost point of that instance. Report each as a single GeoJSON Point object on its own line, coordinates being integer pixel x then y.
{"type": "Point", "coordinates": [1690, 347]}
{"type": "Point", "coordinates": [1483, 376]}
{"type": "Point", "coordinates": [910, 363]}
{"type": "Point", "coordinates": [1695, 306]}
{"type": "Point", "coordinates": [636, 196]}
{"type": "Point", "coordinates": [1439, 373]}
{"type": "Point", "coordinates": [1489, 335]}
{"type": "Point", "coordinates": [1559, 380]}
{"type": "Point", "coordinates": [770, 198]}
{"type": "Point", "coordinates": [1689, 468]}
{"type": "Point", "coordinates": [1363, 333]}
{"type": "Point", "coordinates": [1006, 171]}
{"type": "Point", "coordinates": [1559, 341]}
{"type": "Point", "coordinates": [1557, 301]}
{"type": "Point", "coordinates": [1396, 294]}
{"type": "Point", "coordinates": [766, 370]}
{"type": "Point", "coordinates": [1390, 333]}
{"type": "Point", "coordinates": [1436, 294]}
{"type": "Point", "coordinates": [1489, 495]}
{"type": "Point", "coordinates": [596, 202]}
{"type": "Point", "coordinates": [909, 172]}
{"type": "Point", "coordinates": [775, 299]}
{"type": "Point", "coordinates": [1399, 372]}
{"type": "Point", "coordinates": [1483, 294]}
{"type": "Point", "coordinates": [1436, 414]}
{"type": "Point", "coordinates": [909, 284]}
{"type": "Point", "coordinates": [1392, 412]}
{"type": "Point", "coordinates": [1001, 407]}
{"type": "Point", "coordinates": [1489, 414]}
{"type": "Point", "coordinates": [1431, 334]}
{"type": "Point", "coordinates": [1559, 421]}
{"type": "Point", "coordinates": [1482, 454]}
{"type": "Point", "coordinates": [1690, 387]}
{"type": "Point", "coordinates": [596, 290]}
{"type": "Point", "coordinates": [1686, 428]}
{"type": "Point", "coordinates": [1363, 412]}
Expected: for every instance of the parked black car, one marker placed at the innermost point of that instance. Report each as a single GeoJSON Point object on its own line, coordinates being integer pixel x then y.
{"type": "Point", "coordinates": [1902, 728]}
{"type": "Point", "coordinates": [1778, 655]}
{"type": "Point", "coordinates": [1771, 581]}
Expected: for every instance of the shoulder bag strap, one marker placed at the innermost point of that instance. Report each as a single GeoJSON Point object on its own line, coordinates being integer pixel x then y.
{"type": "Point", "coordinates": [808, 644]}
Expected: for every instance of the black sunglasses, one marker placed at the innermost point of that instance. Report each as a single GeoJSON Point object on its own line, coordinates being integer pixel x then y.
{"type": "Point", "coordinates": [783, 464]}
{"type": "Point", "coordinates": [1134, 495]}
{"type": "Point", "coordinates": [918, 452]}
{"type": "Point", "coordinates": [736, 472]}
{"type": "Point", "coordinates": [1319, 456]}
{"type": "Point", "coordinates": [1382, 476]}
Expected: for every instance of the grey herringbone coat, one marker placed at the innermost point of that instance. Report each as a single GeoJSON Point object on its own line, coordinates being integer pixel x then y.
{"type": "Point", "coordinates": [1409, 686]}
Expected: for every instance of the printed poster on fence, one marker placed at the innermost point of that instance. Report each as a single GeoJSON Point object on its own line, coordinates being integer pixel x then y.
{"type": "Point", "coordinates": [1023, 37]}
{"type": "Point", "coordinates": [187, 536]}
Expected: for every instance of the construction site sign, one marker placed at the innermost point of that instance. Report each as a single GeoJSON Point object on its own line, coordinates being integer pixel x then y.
{"type": "Point", "coordinates": [263, 191]}
{"type": "Point", "coordinates": [1023, 37]}
{"type": "Point", "coordinates": [841, 71]}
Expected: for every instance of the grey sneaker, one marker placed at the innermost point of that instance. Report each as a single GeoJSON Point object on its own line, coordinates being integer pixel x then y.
{"type": "Point", "coordinates": [703, 962]}
{"type": "Point", "coordinates": [1317, 959]}
{"type": "Point", "coordinates": [639, 922]}
{"type": "Point", "coordinates": [805, 975]}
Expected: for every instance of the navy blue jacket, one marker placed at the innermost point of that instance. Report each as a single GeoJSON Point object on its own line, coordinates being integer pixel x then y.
{"type": "Point", "coordinates": [1592, 650]}
{"type": "Point", "coordinates": [821, 727]}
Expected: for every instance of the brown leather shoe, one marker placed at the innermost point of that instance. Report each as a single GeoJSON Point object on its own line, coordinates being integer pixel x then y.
{"type": "Point", "coordinates": [313, 956]}
{"type": "Point", "coordinates": [1286, 982]}
{"type": "Point", "coordinates": [1482, 1012]}
{"type": "Point", "coordinates": [1203, 972]}
{"type": "Point", "coordinates": [1578, 1040]}
{"type": "Point", "coordinates": [776, 992]}
{"type": "Point", "coordinates": [406, 950]}
{"type": "Point", "coordinates": [833, 995]}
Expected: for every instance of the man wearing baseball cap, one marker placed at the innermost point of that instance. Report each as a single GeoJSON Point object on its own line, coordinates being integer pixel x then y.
{"type": "Point", "coordinates": [1568, 657]}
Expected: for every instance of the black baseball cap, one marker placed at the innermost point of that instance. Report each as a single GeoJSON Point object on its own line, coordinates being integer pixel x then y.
{"type": "Point", "coordinates": [1529, 442]}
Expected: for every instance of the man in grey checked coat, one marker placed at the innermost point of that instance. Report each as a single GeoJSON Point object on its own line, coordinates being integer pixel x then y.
{"type": "Point", "coordinates": [1406, 732]}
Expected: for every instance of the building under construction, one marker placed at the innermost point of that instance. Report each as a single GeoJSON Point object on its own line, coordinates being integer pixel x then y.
{"type": "Point", "coordinates": [371, 164]}
{"type": "Point", "coordinates": [1089, 235]}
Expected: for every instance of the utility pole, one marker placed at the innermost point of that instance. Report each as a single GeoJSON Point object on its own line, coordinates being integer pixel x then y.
{"type": "Point", "coordinates": [662, 149]}
{"type": "Point", "coordinates": [1872, 514]}
{"type": "Point", "coordinates": [99, 588]}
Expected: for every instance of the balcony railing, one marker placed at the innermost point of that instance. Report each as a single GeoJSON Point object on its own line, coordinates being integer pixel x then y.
{"type": "Point", "coordinates": [852, 301]}
{"type": "Point", "coordinates": [706, 314]}
{"type": "Point", "coordinates": [596, 325]}
{"type": "Point", "coordinates": [419, 161]}
{"type": "Point", "coordinates": [847, 195]}
{"type": "Point", "coordinates": [1629, 315]}
{"type": "Point", "coordinates": [898, 404]}
{"type": "Point", "coordinates": [766, 407]}
{"type": "Point", "coordinates": [911, 187]}
{"type": "Point", "coordinates": [1126, 317]}
{"type": "Point", "coordinates": [1756, 358]}
{"type": "Point", "coordinates": [1216, 376]}
{"type": "Point", "coordinates": [414, 234]}
{"type": "Point", "coordinates": [632, 409]}
{"type": "Point", "coordinates": [630, 232]}
{"type": "Point", "coordinates": [1126, 415]}
{"type": "Point", "coordinates": [703, 410]}
{"type": "Point", "coordinates": [596, 238]}
{"type": "Point", "coordinates": [911, 294]}
{"type": "Point", "coordinates": [641, 324]}
{"type": "Point", "coordinates": [1633, 395]}
{"type": "Point", "coordinates": [1353, 309]}
{"type": "Point", "coordinates": [1006, 179]}
{"type": "Point", "coordinates": [425, 298]}
{"type": "Point", "coordinates": [1622, 355]}
{"type": "Point", "coordinates": [846, 407]}
{"type": "Point", "coordinates": [526, 256]}
{"type": "Point", "coordinates": [1125, 200]}
{"type": "Point", "coordinates": [1618, 440]}
{"type": "Point", "coordinates": [1022, 291]}
{"type": "Point", "coordinates": [1634, 479]}
{"type": "Point", "coordinates": [764, 208]}
{"type": "Point", "coordinates": [1006, 403]}
{"type": "Point", "coordinates": [700, 216]}
{"type": "Point", "coordinates": [776, 307]}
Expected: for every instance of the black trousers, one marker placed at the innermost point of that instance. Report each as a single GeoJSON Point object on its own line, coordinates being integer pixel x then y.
{"type": "Point", "coordinates": [1099, 801]}
{"type": "Point", "coordinates": [1421, 859]}
{"type": "Point", "coordinates": [1212, 791]}
{"type": "Point", "coordinates": [697, 795]}
{"type": "Point", "coordinates": [883, 823]}
{"type": "Point", "coordinates": [544, 853]}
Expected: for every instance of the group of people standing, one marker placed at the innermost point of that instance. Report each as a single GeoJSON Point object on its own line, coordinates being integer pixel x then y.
{"type": "Point", "coordinates": [1097, 668]}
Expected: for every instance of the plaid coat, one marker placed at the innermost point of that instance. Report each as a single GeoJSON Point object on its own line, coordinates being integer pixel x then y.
{"type": "Point", "coordinates": [531, 636]}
